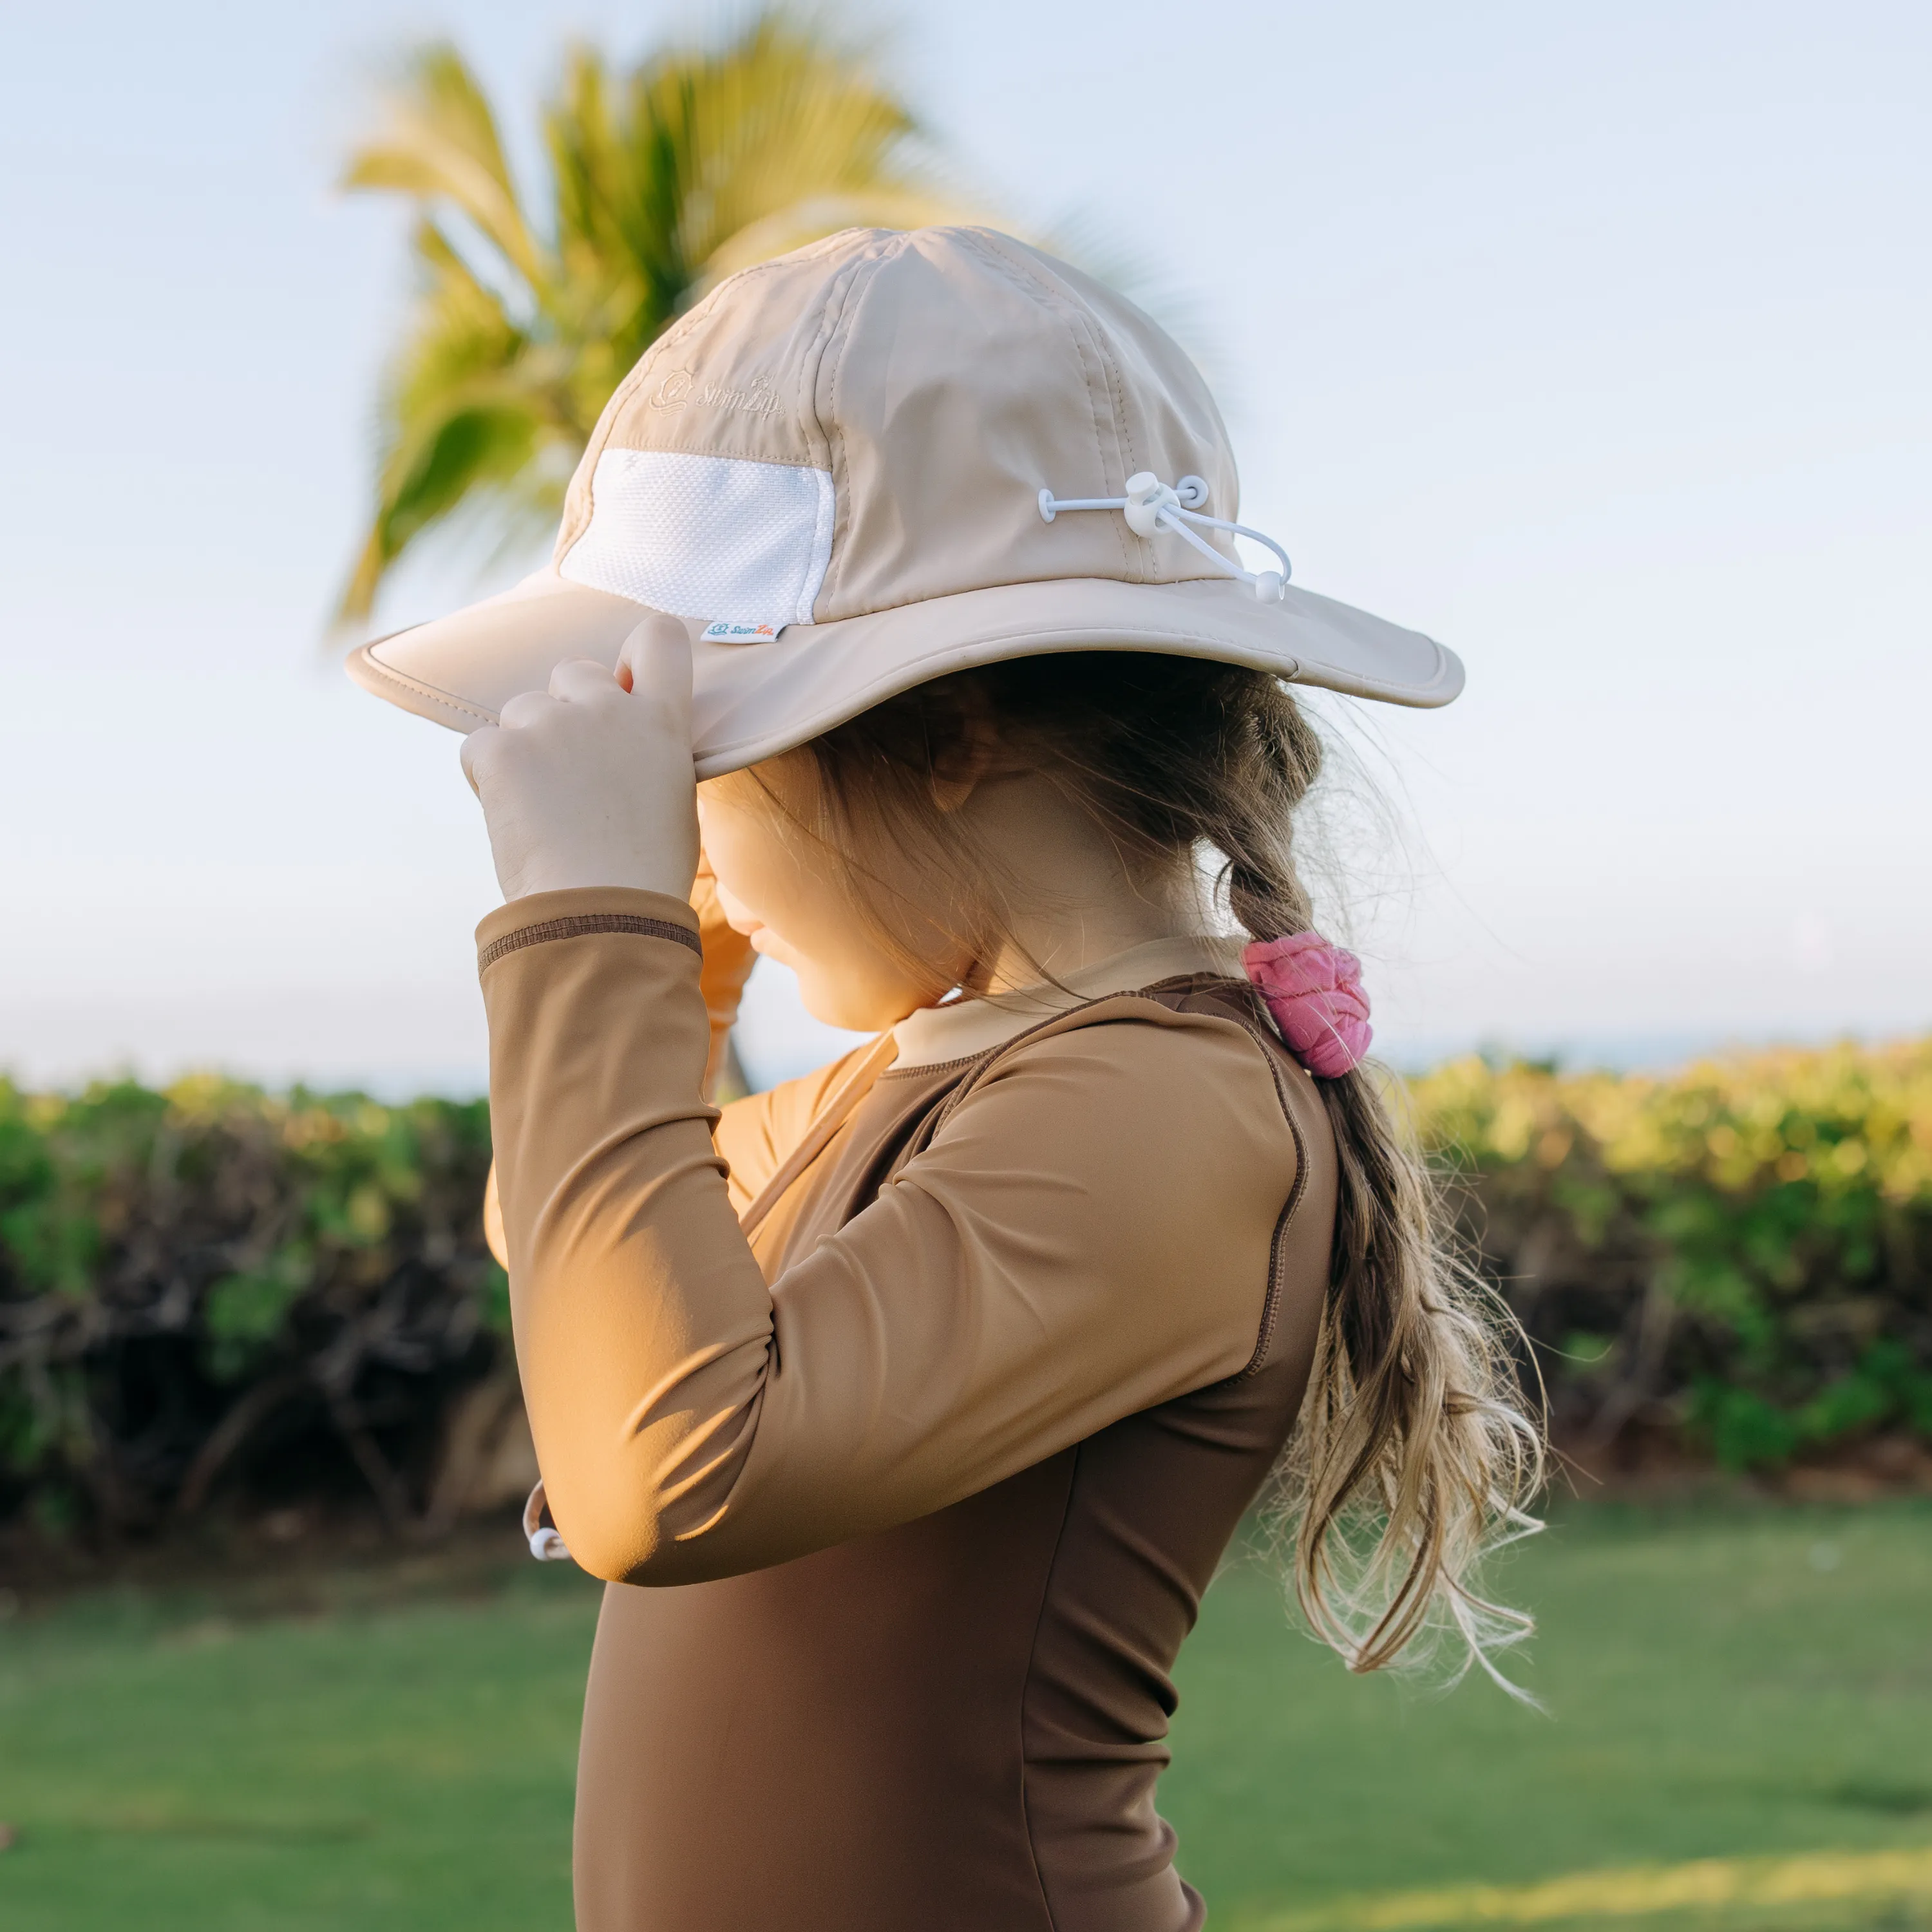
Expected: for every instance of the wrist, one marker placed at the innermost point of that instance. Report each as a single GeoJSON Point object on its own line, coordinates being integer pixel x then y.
{"type": "Point", "coordinates": [611, 907]}
{"type": "Point", "coordinates": [567, 875]}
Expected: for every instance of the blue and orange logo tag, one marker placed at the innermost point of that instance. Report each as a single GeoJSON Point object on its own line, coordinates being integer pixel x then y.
{"type": "Point", "coordinates": [728, 631]}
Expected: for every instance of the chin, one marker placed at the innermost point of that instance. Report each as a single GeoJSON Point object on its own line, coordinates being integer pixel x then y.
{"type": "Point", "coordinates": [836, 1002]}
{"type": "Point", "coordinates": [821, 1001]}
{"type": "Point", "coordinates": [830, 1010]}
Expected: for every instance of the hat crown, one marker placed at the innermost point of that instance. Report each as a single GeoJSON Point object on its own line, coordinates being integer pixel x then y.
{"type": "Point", "coordinates": [886, 458]}
{"type": "Point", "coordinates": [868, 422]}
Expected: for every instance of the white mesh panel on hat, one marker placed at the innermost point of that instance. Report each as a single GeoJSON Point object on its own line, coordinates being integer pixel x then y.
{"type": "Point", "coordinates": [719, 537]}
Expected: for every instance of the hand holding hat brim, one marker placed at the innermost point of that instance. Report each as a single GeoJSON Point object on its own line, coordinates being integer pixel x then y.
{"type": "Point", "coordinates": [589, 782]}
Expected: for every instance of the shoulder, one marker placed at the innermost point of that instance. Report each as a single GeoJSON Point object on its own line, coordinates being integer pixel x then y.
{"type": "Point", "coordinates": [1149, 1112]}
{"type": "Point", "coordinates": [1131, 1156]}
{"type": "Point", "coordinates": [1155, 1054]}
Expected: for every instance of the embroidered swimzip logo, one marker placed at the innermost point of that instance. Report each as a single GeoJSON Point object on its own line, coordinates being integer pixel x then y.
{"type": "Point", "coordinates": [680, 388]}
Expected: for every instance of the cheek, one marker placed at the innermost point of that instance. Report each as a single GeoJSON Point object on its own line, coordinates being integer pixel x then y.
{"type": "Point", "coordinates": [746, 855]}
{"type": "Point", "coordinates": [771, 878]}
{"type": "Point", "coordinates": [810, 925]}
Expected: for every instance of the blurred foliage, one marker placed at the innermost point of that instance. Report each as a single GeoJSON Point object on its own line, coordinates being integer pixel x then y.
{"type": "Point", "coordinates": [213, 1294]}
{"type": "Point", "coordinates": [1738, 1255]}
{"type": "Point", "coordinates": [212, 1283]}
{"type": "Point", "coordinates": [661, 179]}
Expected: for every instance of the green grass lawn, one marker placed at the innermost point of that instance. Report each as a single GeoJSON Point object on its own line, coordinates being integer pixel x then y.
{"type": "Point", "coordinates": [1741, 1683]}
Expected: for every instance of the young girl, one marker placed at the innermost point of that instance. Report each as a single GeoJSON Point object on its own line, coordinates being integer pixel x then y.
{"type": "Point", "coordinates": [908, 1409]}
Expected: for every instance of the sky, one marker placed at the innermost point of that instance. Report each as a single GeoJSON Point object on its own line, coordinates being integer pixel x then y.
{"type": "Point", "coordinates": [1590, 340]}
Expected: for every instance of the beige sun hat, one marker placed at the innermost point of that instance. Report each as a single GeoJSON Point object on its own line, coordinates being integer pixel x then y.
{"type": "Point", "coordinates": [881, 458]}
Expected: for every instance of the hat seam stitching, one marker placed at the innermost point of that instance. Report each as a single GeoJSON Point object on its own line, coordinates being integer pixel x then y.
{"type": "Point", "coordinates": [668, 337]}
{"type": "Point", "coordinates": [852, 300]}
{"type": "Point", "coordinates": [852, 288]}
{"type": "Point", "coordinates": [1145, 560]}
{"type": "Point", "coordinates": [805, 385]}
{"type": "Point", "coordinates": [1045, 298]}
{"type": "Point", "coordinates": [1145, 557]}
{"type": "Point", "coordinates": [434, 693]}
{"type": "Point", "coordinates": [717, 456]}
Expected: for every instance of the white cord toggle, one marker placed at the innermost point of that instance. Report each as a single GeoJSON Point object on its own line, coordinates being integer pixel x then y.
{"type": "Point", "coordinates": [1150, 506]}
{"type": "Point", "coordinates": [546, 1545]}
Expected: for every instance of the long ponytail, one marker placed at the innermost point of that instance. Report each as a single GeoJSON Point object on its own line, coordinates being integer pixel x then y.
{"type": "Point", "coordinates": [1415, 1453]}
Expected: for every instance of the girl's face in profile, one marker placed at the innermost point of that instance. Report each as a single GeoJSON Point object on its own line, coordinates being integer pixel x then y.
{"type": "Point", "coordinates": [777, 885]}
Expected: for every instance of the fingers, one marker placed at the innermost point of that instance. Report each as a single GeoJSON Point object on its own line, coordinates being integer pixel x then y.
{"type": "Point", "coordinates": [656, 663]}
{"type": "Point", "coordinates": [526, 709]}
{"type": "Point", "coordinates": [582, 681]}
{"type": "Point", "coordinates": [475, 745]}
{"type": "Point", "coordinates": [578, 681]}
{"type": "Point", "coordinates": [587, 784]}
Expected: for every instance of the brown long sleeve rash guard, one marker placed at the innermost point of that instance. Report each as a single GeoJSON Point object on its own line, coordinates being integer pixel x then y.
{"type": "Point", "coordinates": [939, 1461]}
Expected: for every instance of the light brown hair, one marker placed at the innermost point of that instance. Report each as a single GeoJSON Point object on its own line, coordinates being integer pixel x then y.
{"type": "Point", "coordinates": [1414, 1453]}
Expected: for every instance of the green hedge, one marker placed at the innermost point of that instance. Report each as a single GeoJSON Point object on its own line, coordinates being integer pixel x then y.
{"type": "Point", "coordinates": [213, 1296]}
{"type": "Point", "coordinates": [212, 1289]}
{"type": "Point", "coordinates": [1737, 1257]}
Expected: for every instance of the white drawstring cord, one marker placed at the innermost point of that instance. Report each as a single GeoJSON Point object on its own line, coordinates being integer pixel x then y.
{"type": "Point", "coordinates": [546, 1545]}
{"type": "Point", "coordinates": [1151, 504]}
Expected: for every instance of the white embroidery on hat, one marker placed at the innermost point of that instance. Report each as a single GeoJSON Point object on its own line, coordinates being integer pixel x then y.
{"type": "Point", "coordinates": [674, 391]}
{"type": "Point", "coordinates": [680, 388]}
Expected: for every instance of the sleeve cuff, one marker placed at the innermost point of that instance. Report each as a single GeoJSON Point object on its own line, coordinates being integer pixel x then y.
{"type": "Point", "coordinates": [543, 916]}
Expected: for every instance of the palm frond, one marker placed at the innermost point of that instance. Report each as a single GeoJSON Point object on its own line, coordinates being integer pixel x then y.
{"type": "Point", "coordinates": [781, 116]}
{"type": "Point", "coordinates": [695, 163]}
{"type": "Point", "coordinates": [440, 142]}
{"type": "Point", "coordinates": [615, 197]}
{"type": "Point", "coordinates": [470, 400]}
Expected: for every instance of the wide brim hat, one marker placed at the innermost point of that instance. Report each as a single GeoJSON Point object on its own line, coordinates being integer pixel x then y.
{"type": "Point", "coordinates": [882, 458]}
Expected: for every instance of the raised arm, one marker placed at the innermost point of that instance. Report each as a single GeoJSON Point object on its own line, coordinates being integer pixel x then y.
{"type": "Point", "coordinates": [726, 963]}
{"type": "Point", "coordinates": [1090, 1232]}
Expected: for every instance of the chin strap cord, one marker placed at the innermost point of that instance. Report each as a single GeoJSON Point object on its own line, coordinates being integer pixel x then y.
{"type": "Point", "coordinates": [1151, 504]}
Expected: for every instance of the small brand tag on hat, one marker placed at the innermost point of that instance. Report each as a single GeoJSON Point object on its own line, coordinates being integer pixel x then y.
{"type": "Point", "coordinates": [734, 631]}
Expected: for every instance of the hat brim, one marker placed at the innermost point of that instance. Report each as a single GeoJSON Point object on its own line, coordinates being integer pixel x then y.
{"type": "Point", "coordinates": [753, 700]}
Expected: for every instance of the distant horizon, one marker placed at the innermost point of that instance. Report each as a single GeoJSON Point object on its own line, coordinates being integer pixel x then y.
{"type": "Point", "coordinates": [780, 1041]}
{"type": "Point", "coordinates": [1585, 342]}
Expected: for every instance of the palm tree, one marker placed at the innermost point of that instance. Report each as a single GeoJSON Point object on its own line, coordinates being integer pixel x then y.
{"type": "Point", "coordinates": [662, 180]}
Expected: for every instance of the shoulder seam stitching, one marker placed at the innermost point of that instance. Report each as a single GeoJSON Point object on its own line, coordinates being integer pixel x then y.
{"type": "Point", "coordinates": [990, 1056]}
{"type": "Point", "coordinates": [1271, 1307]}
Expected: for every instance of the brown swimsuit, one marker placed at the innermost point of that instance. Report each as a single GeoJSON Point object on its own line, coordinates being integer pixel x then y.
{"type": "Point", "coordinates": [907, 1503]}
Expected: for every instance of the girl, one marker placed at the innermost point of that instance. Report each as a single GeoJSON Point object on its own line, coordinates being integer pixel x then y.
{"type": "Point", "coordinates": [907, 1408]}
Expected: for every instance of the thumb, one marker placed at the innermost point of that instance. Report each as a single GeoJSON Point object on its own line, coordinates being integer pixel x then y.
{"type": "Point", "coordinates": [656, 663]}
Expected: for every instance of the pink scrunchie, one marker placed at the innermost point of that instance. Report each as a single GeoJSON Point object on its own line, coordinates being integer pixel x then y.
{"type": "Point", "coordinates": [1316, 993]}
